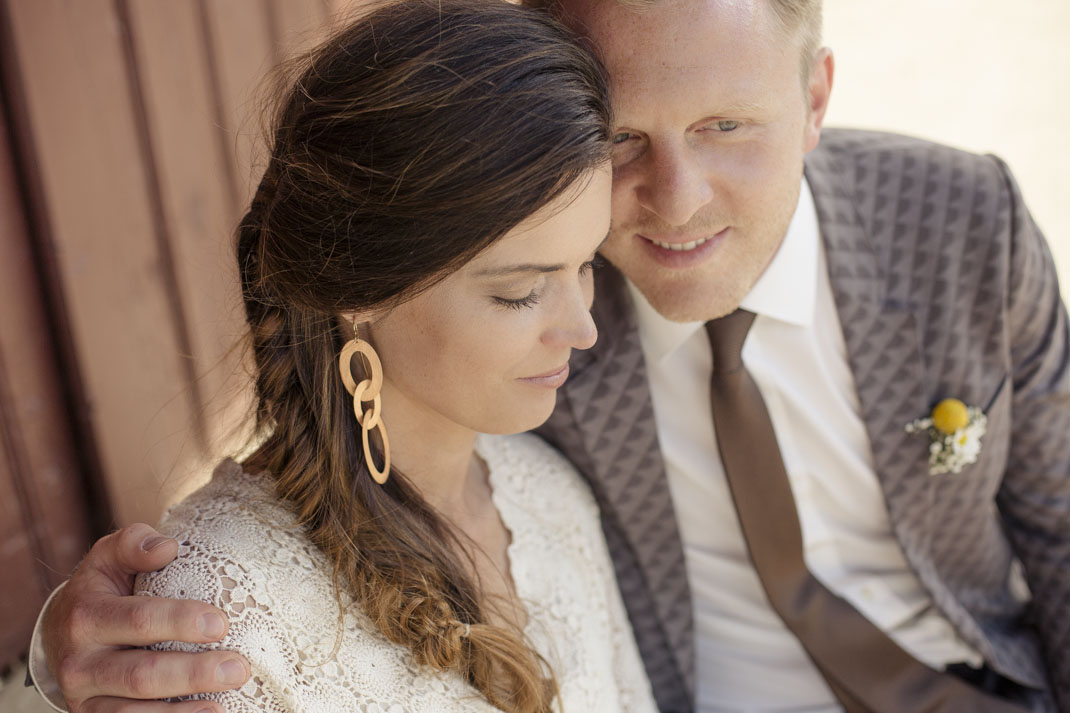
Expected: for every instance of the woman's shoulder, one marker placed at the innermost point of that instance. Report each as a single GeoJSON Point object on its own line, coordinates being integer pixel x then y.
{"type": "Point", "coordinates": [236, 538]}
{"type": "Point", "coordinates": [229, 491]}
{"type": "Point", "coordinates": [236, 513]}
{"type": "Point", "coordinates": [309, 647]}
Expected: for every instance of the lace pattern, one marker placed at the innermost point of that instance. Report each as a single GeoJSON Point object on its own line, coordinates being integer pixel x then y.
{"type": "Point", "coordinates": [241, 550]}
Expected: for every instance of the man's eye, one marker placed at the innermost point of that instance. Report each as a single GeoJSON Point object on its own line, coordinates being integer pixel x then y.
{"type": "Point", "coordinates": [620, 138]}
{"type": "Point", "coordinates": [727, 125]}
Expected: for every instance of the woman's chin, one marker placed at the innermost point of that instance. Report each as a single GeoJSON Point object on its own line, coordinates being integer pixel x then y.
{"type": "Point", "coordinates": [519, 420]}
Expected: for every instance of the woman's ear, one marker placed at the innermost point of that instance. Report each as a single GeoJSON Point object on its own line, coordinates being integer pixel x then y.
{"type": "Point", "coordinates": [358, 324]}
{"type": "Point", "coordinates": [347, 322]}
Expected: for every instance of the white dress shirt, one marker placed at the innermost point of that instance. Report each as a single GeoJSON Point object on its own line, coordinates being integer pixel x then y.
{"type": "Point", "coordinates": [747, 660]}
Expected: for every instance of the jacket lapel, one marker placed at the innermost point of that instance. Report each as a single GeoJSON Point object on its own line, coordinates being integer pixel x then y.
{"type": "Point", "coordinates": [882, 339]}
{"type": "Point", "coordinates": [609, 400]}
{"type": "Point", "coordinates": [607, 406]}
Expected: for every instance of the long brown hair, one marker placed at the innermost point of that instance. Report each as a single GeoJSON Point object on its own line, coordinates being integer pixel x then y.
{"type": "Point", "coordinates": [409, 142]}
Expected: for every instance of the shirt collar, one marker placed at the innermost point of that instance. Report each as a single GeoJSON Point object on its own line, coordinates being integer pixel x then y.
{"type": "Point", "coordinates": [785, 291]}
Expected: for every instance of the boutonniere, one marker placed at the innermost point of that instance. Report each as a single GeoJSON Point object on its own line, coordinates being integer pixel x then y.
{"type": "Point", "coordinates": [955, 431]}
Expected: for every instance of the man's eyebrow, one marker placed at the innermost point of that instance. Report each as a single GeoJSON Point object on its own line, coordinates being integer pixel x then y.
{"type": "Point", "coordinates": [740, 107]}
{"type": "Point", "coordinates": [529, 267]}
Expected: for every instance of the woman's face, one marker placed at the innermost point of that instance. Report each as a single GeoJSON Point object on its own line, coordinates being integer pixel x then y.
{"type": "Point", "coordinates": [486, 348]}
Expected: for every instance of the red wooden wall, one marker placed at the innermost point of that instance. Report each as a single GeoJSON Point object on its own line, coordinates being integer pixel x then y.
{"type": "Point", "coordinates": [127, 142]}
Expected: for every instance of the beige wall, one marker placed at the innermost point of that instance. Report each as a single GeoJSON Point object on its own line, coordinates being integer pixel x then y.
{"type": "Point", "coordinates": [984, 75]}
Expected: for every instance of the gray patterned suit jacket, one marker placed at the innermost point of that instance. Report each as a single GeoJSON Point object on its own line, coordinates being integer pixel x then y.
{"type": "Point", "coordinates": [944, 287]}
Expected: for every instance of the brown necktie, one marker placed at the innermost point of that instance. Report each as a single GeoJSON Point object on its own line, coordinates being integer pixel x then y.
{"type": "Point", "coordinates": [866, 670]}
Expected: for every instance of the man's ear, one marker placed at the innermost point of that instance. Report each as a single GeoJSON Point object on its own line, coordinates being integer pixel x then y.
{"type": "Point", "coordinates": [818, 90]}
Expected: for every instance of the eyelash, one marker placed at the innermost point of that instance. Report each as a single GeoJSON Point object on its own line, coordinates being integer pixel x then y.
{"type": "Point", "coordinates": [533, 299]}
{"type": "Point", "coordinates": [529, 301]}
{"type": "Point", "coordinates": [593, 264]}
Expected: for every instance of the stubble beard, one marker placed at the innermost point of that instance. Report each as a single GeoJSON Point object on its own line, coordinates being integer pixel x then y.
{"type": "Point", "coordinates": [707, 291]}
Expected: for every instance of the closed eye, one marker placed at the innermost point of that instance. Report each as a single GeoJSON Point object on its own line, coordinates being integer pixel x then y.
{"type": "Point", "coordinates": [593, 264]}
{"type": "Point", "coordinates": [529, 301]}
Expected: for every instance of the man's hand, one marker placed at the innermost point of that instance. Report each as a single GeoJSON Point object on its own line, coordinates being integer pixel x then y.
{"type": "Point", "coordinates": [91, 625]}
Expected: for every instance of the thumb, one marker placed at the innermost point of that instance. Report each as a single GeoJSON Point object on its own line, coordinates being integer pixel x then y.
{"type": "Point", "coordinates": [115, 559]}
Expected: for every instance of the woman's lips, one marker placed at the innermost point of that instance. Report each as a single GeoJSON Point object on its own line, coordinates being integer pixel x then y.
{"type": "Point", "coordinates": [550, 379]}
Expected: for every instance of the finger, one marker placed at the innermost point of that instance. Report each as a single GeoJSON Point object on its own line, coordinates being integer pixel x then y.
{"type": "Point", "coordinates": [135, 548]}
{"type": "Point", "coordinates": [109, 704]}
{"type": "Point", "coordinates": [110, 566]}
{"type": "Point", "coordinates": [143, 621]}
{"type": "Point", "coordinates": [143, 674]}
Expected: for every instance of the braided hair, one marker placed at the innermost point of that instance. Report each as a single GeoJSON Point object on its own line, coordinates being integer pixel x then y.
{"type": "Point", "coordinates": [410, 141]}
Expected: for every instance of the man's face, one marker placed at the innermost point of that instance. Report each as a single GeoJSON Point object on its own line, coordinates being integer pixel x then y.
{"type": "Point", "coordinates": [712, 123]}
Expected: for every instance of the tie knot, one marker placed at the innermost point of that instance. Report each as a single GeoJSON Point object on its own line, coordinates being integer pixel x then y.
{"type": "Point", "coordinates": [727, 335]}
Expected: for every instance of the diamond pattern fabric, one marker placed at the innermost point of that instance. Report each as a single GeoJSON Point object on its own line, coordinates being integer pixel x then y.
{"type": "Point", "coordinates": [944, 287]}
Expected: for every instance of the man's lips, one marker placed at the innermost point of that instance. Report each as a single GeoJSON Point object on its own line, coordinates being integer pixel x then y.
{"type": "Point", "coordinates": [553, 378]}
{"type": "Point", "coordinates": [681, 242]}
{"type": "Point", "coordinates": [681, 246]}
{"type": "Point", "coordinates": [681, 251]}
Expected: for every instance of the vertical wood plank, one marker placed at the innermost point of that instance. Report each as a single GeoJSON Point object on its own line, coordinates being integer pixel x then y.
{"type": "Point", "coordinates": [339, 10]}
{"type": "Point", "coordinates": [299, 24]}
{"type": "Point", "coordinates": [22, 587]}
{"type": "Point", "coordinates": [20, 543]}
{"type": "Point", "coordinates": [44, 527]}
{"type": "Point", "coordinates": [95, 185]}
{"type": "Point", "coordinates": [40, 434]}
{"type": "Point", "coordinates": [175, 84]}
{"type": "Point", "coordinates": [242, 47]}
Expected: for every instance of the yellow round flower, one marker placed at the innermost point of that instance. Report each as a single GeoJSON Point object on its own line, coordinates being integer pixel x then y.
{"type": "Point", "coordinates": [950, 415]}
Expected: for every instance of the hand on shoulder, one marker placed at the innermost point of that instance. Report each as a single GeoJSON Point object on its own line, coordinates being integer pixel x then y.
{"type": "Point", "coordinates": [94, 624]}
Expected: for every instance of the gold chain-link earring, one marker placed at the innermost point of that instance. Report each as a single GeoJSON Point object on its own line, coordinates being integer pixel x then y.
{"type": "Point", "coordinates": [363, 391]}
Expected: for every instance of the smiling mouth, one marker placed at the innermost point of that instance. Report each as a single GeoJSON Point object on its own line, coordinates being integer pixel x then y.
{"type": "Point", "coordinates": [682, 247]}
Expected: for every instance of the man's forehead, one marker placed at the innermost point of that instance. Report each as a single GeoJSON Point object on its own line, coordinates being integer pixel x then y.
{"type": "Point", "coordinates": [596, 14]}
{"type": "Point", "coordinates": [621, 32]}
{"type": "Point", "coordinates": [681, 38]}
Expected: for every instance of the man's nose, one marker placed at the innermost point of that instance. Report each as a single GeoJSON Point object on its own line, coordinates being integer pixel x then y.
{"type": "Point", "coordinates": [676, 185]}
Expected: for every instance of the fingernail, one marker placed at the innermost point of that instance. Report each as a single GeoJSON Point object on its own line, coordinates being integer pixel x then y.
{"type": "Point", "coordinates": [230, 673]}
{"type": "Point", "coordinates": [211, 625]}
{"type": "Point", "coordinates": [153, 542]}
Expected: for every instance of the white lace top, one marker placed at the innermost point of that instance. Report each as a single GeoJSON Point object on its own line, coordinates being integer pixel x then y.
{"type": "Point", "coordinates": [242, 551]}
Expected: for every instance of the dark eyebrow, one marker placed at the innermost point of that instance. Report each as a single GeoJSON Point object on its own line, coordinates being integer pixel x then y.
{"type": "Point", "coordinates": [512, 269]}
{"type": "Point", "coordinates": [529, 267]}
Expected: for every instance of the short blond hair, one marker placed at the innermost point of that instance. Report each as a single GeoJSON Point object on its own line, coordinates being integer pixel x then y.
{"type": "Point", "coordinates": [802, 18]}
